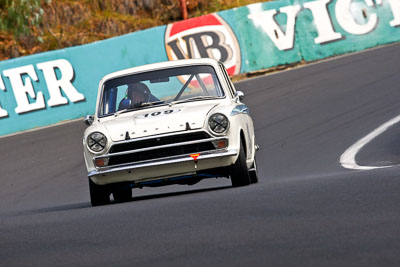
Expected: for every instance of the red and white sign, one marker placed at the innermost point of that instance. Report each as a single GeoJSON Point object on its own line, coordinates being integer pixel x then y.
{"type": "Point", "coordinates": [208, 36]}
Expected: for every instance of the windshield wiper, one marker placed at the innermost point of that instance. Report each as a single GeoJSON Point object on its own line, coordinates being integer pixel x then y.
{"type": "Point", "coordinates": [123, 111]}
{"type": "Point", "coordinates": [137, 106]}
{"type": "Point", "coordinates": [151, 103]}
{"type": "Point", "coordinates": [195, 98]}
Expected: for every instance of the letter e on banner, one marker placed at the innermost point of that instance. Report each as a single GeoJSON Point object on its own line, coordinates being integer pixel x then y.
{"type": "Point", "coordinates": [208, 36]}
{"type": "Point", "coordinates": [54, 84]}
{"type": "Point", "coordinates": [22, 88]}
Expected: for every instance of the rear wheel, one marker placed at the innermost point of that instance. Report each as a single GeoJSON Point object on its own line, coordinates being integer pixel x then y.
{"type": "Point", "coordinates": [239, 171]}
{"type": "Point", "coordinates": [99, 195]}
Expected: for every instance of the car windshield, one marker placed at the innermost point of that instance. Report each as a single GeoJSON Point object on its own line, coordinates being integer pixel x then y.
{"type": "Point", "coordinates": [159, 87]}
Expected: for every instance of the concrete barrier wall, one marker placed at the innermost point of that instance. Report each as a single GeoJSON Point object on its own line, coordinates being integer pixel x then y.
{"type": "Point", "coordinates": [50, 87]}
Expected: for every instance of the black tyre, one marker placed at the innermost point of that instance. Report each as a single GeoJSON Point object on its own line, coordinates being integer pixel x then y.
{"type": "Point", "coordinates": [239, 171]}
{"type": "Point", "coordinates": [122, 194]}
{"type": "Point", "coordinates": [99, 195]}
{"type": "Point", "coordinates": [253, 172]}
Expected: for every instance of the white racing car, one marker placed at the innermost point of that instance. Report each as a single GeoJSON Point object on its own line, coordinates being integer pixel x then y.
{"type": "Point", "coordinates": [173, 122]}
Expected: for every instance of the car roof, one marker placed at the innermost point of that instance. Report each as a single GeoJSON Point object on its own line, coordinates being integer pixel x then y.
{"type": "Point", "coordinates": [161, 65]}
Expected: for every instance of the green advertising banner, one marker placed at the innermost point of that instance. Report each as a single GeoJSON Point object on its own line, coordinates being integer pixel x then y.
{"type": "Point", "coordinates": [281, 32]}
{"type": "Point", "coordinates": [50, 87]}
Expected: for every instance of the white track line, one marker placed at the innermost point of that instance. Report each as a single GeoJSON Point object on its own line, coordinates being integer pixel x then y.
{"type": "Point", "coordinates": [348, 158]}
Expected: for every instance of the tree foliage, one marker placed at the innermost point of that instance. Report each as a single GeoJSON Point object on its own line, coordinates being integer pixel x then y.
{"type": "Point", "coordinates": [20, 16]}
{"type": "Point", "coordinates": [34, 26]}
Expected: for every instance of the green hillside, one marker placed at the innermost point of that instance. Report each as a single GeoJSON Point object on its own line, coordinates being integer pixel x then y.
{"type": "Point", "coordinates": [33, 26]}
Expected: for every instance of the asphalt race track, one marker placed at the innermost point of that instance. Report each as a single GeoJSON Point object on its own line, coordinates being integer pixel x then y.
{"type": "Point", "coordinates": [307, 210]}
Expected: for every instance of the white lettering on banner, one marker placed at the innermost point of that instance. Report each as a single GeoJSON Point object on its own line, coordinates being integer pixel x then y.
{"type": "Point", "coordinates": [21, 89]}
{"type": "Point", "coordinates": [346, 19]}
{"type": "Point", "coordinates": [350, 16]}
{"type": "Point", "coordinates": [2, 86]}
{"type": "Point", "coordinates": [54, 85]}
{"type": "Point", "coordinates": [395, 5]}
{"type": "Point", "coordinates": [265, 20]}
{"type": "Point", "coordinates": [3, 113]}
{"type": "Point", "coordinates": [322, 21]}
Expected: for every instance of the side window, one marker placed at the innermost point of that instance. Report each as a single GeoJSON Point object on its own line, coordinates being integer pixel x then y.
{"type": "Point", "coordinates": [228, 81]}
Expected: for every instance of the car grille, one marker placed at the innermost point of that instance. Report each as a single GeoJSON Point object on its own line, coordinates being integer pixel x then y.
{"type": "Point", "coordinates": [160, 147]}
{"type": "Point", "coordinates": [158, 141]}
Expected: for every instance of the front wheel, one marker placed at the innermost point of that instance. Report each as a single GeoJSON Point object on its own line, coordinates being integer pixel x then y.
{"type": "Point", "coordinates": [122, 194]}
{"type": "Point", "coordinates": [99, 195]}
{"type": "Point", "coordinates": [239, 171]}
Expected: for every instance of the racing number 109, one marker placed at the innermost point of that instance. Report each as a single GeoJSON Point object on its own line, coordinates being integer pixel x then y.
{"type": "Point", "coordinates": [158, 113]}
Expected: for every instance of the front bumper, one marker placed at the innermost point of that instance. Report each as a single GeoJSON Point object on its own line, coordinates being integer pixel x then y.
{"type": "Point", "coordinates": [164, 167]}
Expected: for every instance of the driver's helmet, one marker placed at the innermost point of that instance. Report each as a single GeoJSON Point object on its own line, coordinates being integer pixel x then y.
{"type": "Point", "coordinates": [138, 93]}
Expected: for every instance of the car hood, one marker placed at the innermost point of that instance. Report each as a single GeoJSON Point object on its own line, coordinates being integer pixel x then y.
{"type": "Point", "coordinates": [158, 120]}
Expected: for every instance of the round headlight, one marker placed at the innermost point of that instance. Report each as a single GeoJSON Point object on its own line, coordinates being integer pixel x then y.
{"type": "Point", "coordinates": [218, 123]}
{"type": "Point", "coordinates": [96, 142]}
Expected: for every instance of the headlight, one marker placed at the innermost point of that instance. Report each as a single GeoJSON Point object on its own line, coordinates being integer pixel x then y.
{"type": "Point", "coordinates": [218, 123]}
{"type": "Point", "coordinates": [96, 142]}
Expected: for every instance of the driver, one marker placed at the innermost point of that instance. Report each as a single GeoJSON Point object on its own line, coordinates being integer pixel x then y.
{"type": "Point", "coordinates": [136, 94]}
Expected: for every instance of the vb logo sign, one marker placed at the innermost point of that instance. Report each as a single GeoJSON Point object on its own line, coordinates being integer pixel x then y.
{"type": "Point", "coordinates": [204, 37]}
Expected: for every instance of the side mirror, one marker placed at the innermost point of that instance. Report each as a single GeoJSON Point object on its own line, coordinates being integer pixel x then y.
{"type": "Point", "coordinates": [88, 120]}
{"type": "Point", "coordinates": [239, 96]}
